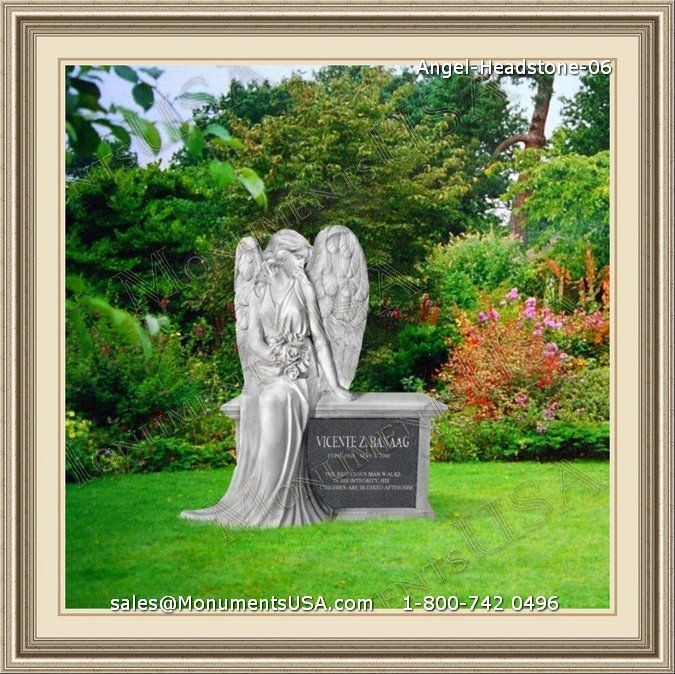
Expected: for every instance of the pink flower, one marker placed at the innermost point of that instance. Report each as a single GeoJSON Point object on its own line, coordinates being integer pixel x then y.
{"type": "Point", "coordinates": [521, 399]}
{"type": "Point", "coordinates": [549, 412]}
{"type": "Point", "coordinates": [513, 294]}
{"type": "Point", "coordinates": [595, 320]}
{"type": "Point", "coordinates": [563, 356]}
{"type": "Point", "coordinates": [396, 313]}
{"type": "Point", "coordinates": [530, 310]}
{"type": "Point", "coordinates": [493, 314]}
{"type": "Point", "coordinates": [552, 323]}
{"type": "Point", "coordinates": [482, 317]}
{"type": "Point", "coordinates": [551, 348]}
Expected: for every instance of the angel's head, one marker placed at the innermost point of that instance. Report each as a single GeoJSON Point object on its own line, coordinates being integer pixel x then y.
{"type": "Point", "coordinates": [286, 251]}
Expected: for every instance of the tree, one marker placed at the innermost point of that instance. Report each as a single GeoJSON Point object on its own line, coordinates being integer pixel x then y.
{"type": "Point", "coordinates": [476, 115]}
{"type": "Point", "coordinates": [385, 152]}
{"type": "Point", "coordinates": [131, 232]}
{"type": "Point", "coordinates": [253, 102]}
{"type": "Point", "coordinates": [245, 104]}
{"type": "Point", "coordinates": [533, 139]}
{"type": "Point", "coordinates": [586, 116]}
{"type": "Point", "coordinates": [90, 127]}
{"type": "Point", "coordinates": [120, 156]}
{"type": "Point", "coordinates": [480, 117]}
{"type": "Point", "coordinates": [567, 208]}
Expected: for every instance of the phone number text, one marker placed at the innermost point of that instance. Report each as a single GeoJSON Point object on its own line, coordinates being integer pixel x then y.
{"type": "Point", "coordinates": [494, 603]}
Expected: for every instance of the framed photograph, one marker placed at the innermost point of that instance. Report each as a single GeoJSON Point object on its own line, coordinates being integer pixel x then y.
{"type": "Point", "coordinates": [337, 336]}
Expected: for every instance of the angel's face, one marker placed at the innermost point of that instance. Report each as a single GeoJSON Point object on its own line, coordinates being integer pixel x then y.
{"type": "Point", "coordinates": [294, 262]}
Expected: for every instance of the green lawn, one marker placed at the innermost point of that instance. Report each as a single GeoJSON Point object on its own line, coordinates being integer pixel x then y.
{"type": "Point", "coordinates": [124, 538]}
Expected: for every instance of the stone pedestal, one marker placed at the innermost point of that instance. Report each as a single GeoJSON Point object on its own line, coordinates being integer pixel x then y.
{"type": "Point", "coordinates": [370, 457]}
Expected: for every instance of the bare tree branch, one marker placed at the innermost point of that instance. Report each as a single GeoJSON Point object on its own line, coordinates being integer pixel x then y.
{"type": "Point", "coordinates": [519, 138]}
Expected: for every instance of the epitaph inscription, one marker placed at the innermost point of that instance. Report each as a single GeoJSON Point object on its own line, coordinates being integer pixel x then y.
{"type": "Point", "coordinates": [364, 463]}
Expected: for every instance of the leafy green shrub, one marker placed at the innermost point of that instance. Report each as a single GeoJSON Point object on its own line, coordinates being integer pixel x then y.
{"type": "Point", "coordinates": [585, 395]}
{"type": "Point", "coordinates": [211, 427]}
{"type": "Point", "coordinates": [176, 453]}
{"type": "Point", "coordinates": [456, 438]}
{"type": "Point", "coordinates": [413, 384]}
{"type": "Point", "coordinates": [373, 366]}
{"type": "Point", "coordinates": [561, 440]}
{"type": "Point", "coordinates": [80, 446]}
{"type": "Point", "coordinates": [122, 389]}
{"type": "Point", "coordinates": [459, 270]}
{"type": "Point", "coordinates": [118, 382]}
{"type": "Point", "coordinates": [206, 440]}
{"type": "Point", "coordinates": [420, 349]}
{"type": "Point", "coordinates": [415, 350]}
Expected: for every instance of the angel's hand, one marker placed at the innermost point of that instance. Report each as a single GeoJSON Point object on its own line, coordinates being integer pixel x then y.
{"type": "Point", "coordinates": [300, 275]}
{"type": "Point", "coordinates": [343, 393]}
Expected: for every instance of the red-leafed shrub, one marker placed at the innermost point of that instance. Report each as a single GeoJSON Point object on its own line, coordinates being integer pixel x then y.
{"type": "Point", "coordinates": [515, 359]}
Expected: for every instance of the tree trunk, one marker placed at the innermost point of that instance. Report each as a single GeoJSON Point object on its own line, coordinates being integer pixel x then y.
{"type": "Point", "coordinates": [533, 138]}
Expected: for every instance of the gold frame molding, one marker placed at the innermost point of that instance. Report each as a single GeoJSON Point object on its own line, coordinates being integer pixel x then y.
{"type": "Point", "coordinates": [650, 22]}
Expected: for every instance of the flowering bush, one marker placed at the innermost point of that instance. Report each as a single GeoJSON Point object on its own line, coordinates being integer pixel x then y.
{"type": "Point", "coordinates": [508, 360]}
{"type": "Point", "coordinates": [523, 363]}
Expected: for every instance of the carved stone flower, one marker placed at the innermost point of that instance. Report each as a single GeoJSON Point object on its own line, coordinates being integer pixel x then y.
{"type": "Point", "coordinates": [292, 372]}
{"type": "Point", "coordinates": [289, 354]}
{"type": "Point", "coordinates": [275, 355]}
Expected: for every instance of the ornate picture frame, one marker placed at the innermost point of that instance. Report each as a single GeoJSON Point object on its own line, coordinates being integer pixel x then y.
{"type": "Point", "coordinates": [37, 635]}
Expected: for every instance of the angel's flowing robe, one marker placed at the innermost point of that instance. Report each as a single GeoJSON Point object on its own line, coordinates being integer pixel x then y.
{"type": "Point", "coordinates": [271, 484]}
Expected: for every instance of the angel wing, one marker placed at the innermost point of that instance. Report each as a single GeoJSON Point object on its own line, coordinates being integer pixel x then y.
{"type": "Point", "coordinates": [247, 264]}
{"type": "Point", "coordinates": [338, 272]}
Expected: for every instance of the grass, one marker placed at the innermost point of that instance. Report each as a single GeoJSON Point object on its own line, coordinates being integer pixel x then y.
{"type": "Point", "coordinates": [123, 537]}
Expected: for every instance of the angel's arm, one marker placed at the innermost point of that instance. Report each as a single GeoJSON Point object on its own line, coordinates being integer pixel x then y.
{"type": "Point", "coordinates": [254, 336]}
{"type": "Point", "coordinates": [323, 351]}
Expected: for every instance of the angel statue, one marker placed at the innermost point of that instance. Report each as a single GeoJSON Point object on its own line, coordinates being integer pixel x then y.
{"type": "Point", "coordinates": [300, 313]}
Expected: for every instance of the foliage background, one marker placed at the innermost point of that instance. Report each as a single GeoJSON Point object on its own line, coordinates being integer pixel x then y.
{"type": "Point", "coordinates": [507, 325]}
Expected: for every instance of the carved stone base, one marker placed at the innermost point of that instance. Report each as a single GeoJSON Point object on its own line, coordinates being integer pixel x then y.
{"type": "Point", "coordinates": [369, 458]}
{"type": "Point", "coordinates": [385, 513]}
